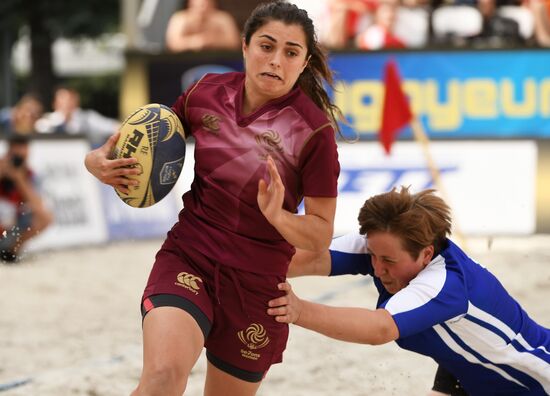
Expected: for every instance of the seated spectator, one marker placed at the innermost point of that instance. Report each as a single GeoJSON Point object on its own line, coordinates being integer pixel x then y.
{"type": "Point", "coordinates": [380, 34]}
{"type": "Point", "coordinates": [201, 26]}
{"type": "Point", "coordinates": [497, 30]}
{"type": "Point", "coordinates": [541, 16]}
{"type": "Point", "coordinates": [412, 23]}
{"type": "Point", "coordinates": [69, 118]}
{"type": "Point", "coordinates": [22, 211]}
{"type": "Point", "coordinates": [345, 21]}
{"type": "Point", "coordinates": [480, 24]}
{"type": "Point", "coordinates": [22, 117]}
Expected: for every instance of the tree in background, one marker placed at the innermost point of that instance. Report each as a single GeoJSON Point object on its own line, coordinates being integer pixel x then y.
{"type": "Point", "coordinates": [47, 20]}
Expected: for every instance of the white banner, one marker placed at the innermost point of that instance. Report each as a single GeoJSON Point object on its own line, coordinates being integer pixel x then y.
{"type": "Point", "coordinates": [490, 185]}
{"type": "Point", "coordinates": [69, 191]}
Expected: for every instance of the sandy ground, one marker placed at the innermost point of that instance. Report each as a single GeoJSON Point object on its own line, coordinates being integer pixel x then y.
{"type": "Point", "coordinates": [70, 325]}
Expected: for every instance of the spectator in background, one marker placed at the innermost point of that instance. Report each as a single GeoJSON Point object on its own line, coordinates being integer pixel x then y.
{"type": "Point", "coordinates": [496, 30]}
{"type": "Point", "coordinates": [478, 23]}
{"type": "Point", "coordinates": [344, 21]}
{"type": "Point", "coordinates": [541, 15]}
{"type": "Point", "coordinates": [22, 211]}
{"type": "Point", "coordinates": [380, 34]}
{"type": "Point", "coordinates": [22, 117]}
{"type": "Point", "coordinates": [69, 118]}
{"type": "Point", "coordinates": [201, 25]}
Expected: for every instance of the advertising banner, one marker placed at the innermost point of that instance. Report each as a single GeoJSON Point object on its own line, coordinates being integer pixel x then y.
{"type": "Point", "coordinates": [458, 94]}
{"type": "Point", "coordinates": [454, 94]}
{"type": "Point", "coordinates": [125, 222]}
{"type": "Point", "coordinates": [69, 191]}
{"type": "Point", "coordinates": [489, 185]}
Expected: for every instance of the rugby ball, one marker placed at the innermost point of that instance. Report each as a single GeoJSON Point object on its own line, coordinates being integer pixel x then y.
{"type": "Point", "coordinates": [154, 135]}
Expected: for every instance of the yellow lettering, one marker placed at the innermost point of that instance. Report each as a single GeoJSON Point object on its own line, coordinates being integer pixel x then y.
{"type": "Point", "coordinates": [413, 89]}
{"type": "Point", "coordinates": [515, 109]}
{"type": "Point", "coordinates": [545, 97]}
{"type": "Point", "coordinates": [480, 98]}
{"type": "Point", "coordinates": [366, 99]}
{"type": "Point", "coordinates": [361, 101]}
{"type": "Point", "coordinates": [443, 116]}
{"type": "Point", "coordinates": [340, 96]}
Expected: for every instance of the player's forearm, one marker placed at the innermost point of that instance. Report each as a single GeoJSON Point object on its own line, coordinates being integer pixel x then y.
{"type": "Point", "coordinates": [29, 195]}
{"type": "Point", "coordinates": [308, 232]}
{"type": "Point", "coordinates": [358, 325]}
{"type": "Point", "coordinates": [305, 262]}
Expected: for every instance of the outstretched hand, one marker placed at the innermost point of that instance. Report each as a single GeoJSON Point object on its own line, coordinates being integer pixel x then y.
{"type": "Point", "coordinates": [113, 172]}
{"type": "Point", "coordinates": [271, 196]}
{"type": "Point", "coordinates": [287, 308]}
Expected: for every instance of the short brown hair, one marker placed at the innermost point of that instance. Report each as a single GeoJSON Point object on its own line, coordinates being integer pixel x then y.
{"type": "Point", "coordinates": [419, 220]}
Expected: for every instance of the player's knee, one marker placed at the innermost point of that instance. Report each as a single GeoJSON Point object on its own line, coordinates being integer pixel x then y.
{"type": "Point", "coordinates": [163, 379]}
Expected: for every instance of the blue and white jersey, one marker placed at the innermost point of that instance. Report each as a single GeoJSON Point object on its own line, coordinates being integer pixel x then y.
{"type": "Point", "coordinates": [458, 313]}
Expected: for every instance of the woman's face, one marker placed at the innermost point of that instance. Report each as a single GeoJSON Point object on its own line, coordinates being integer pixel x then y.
{"type": "Point", "coordinates": [393, 265]}
{"type": "Point", "coordinates": [26, 114]}
{"type": "Point", "coordinates": [274, 59]}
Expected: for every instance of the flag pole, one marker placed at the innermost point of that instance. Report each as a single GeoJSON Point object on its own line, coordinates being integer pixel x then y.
{"type": "Point", "coordinates": [422, 138]}
{"type": "Point", "coordinates": [396, 113]}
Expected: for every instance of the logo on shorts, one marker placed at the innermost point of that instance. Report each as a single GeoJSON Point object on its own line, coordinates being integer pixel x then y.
{"type": "Point", "coordinates": [211, 123]}
{"type": "Point", "coordinates": [189, 281]}
{"type": "Point", "coordinates": [254, 337]}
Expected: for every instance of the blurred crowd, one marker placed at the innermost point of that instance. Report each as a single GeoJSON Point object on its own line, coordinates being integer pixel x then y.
{"type": "Point", "coordinates": [382, 24]}
{"type": "Point", "coordinates": [27, 117]}
{"type": "Point", "coordinates": [341, 24]}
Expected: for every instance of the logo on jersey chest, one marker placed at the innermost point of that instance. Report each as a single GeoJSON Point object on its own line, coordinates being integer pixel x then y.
{"type": "Point", "coordinates": [211, 123]}
{"type": "Point", "coordinates": [270, 141]}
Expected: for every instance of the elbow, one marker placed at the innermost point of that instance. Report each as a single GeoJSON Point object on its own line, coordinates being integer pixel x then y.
{"type": "Point", "coordinates": [377, 341]}
{"type": "Point", "coordinates": [319, 242]}
{"type": "Point", "coordinates": [323, 240]}
{"type": "Point", "coordinates": [319, 245]}
{"type": "Point", "coordinates": [383, 335]}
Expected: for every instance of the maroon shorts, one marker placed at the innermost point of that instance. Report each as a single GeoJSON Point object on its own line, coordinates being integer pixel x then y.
{"type": "Point", "coordinates": [228, 304]}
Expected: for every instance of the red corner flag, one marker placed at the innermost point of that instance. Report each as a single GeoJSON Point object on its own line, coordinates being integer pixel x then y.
{"type": "Point", "coordinates": [396, 112]}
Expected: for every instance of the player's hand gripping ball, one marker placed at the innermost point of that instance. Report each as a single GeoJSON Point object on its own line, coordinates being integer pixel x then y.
{"type": "Point", "coordinates": [154, 135]}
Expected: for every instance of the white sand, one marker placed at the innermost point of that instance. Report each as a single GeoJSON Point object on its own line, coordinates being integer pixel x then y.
{"type": "Point", "coordinates": [70, 325]}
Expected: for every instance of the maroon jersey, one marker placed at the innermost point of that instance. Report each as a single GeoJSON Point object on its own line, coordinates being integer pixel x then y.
{"type": "Point", "coordinates": [221, 218]}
